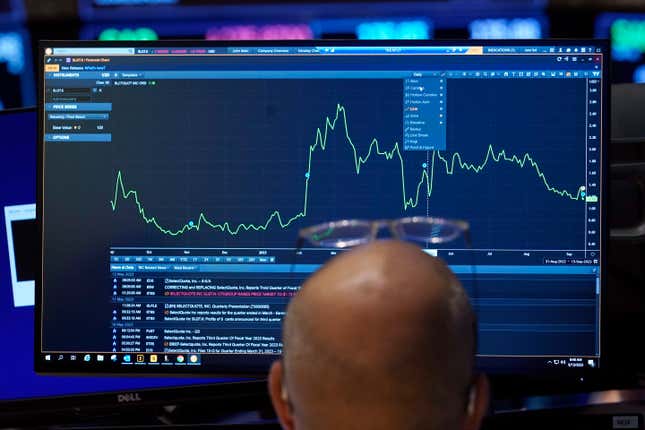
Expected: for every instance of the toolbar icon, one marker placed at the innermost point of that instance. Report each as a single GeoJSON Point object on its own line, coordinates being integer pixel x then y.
{"type": "Point", "coordinates": [153, 358]}
{"type": "Point", "coordinates": [140, 358]}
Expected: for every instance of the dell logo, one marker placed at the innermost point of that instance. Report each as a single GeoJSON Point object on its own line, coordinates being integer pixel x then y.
{"type": "Point", "coordinates": [128, 397]}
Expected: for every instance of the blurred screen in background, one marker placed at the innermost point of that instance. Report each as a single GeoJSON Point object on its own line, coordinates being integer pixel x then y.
{"type": "Point", "coordinates": [12, 11]}
{"type": "Point", "coordinates": [17, 87]}
{"type": "Point", "coordinates": [16, 73]}
{"type": "Point", "coordinates": [627, 34]}
{"type": "Point", "coordinates": [266, 20]}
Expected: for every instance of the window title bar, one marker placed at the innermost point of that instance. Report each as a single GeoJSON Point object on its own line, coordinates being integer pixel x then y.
{"type": "Point", "coordinates": [323, 50]}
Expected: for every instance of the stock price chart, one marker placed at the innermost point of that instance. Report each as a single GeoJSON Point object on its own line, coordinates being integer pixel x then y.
{"type": "Point", "coordinates": [248, 162]}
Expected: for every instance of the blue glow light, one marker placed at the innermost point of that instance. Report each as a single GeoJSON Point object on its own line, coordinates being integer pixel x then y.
{"type": "Point", "coordinates": [628, 39]}
{"type": "Point", "coordinates": [394, 30]}
{"type": "Point", "coordinates": [518, 28]}
{"type": "Point", "coordinates": [12, 52]}
{"type": "Point", "coordinates": [133, 2]}
{"type": "Point", "coordinates": [639, 74]}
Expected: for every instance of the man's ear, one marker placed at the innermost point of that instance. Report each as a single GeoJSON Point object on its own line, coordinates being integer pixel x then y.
{"type": "Point", "coordinates": [477, 403]}
{"type": "Point", "coordinates": [280, 396]}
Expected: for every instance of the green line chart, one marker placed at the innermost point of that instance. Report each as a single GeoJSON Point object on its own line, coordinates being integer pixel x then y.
{"type": "Point", "coordinates": [423, 188]}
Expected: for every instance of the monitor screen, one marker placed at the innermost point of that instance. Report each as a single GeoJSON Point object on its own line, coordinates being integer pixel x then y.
{"type": "Point", "coordinates": [18, 251]}
{"type": "Point", "coordinates": [176, 177]}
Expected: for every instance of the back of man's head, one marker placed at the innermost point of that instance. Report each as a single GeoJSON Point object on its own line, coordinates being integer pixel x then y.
{"type": "Point", "coordinates": [382, 336]}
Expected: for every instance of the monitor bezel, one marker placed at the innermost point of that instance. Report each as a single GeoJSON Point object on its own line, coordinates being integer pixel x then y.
{"type": "Point", "coordinates": [223, 398]}
{"type": "Point", "coordinates": [535, 380]}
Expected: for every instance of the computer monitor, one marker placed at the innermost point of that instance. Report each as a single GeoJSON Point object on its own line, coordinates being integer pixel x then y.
{"type": "Point", "coordinates": [176, 175]}
{"type": "Point", "coordinates": [18, 258]}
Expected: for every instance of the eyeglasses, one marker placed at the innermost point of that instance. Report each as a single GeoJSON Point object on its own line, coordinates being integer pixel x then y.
{"type": "Point", "coordinates": [349, 233]}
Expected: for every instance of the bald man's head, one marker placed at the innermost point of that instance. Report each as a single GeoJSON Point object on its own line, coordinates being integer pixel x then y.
{"type": "Point", "coordinates": [380, 337]}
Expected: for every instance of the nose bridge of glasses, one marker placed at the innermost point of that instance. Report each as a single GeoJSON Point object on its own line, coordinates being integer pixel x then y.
{"type": "Point", "coordinates": [378, 225]}
{"type": "Point", "coordinates": [393, 227]}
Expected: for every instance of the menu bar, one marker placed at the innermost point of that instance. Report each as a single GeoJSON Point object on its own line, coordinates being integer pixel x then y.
{"type": "Point", "coordinates": [321, 50]}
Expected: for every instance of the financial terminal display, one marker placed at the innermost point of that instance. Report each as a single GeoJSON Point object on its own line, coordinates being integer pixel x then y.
{"type": "Point", "coordinates": [176, 177]}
